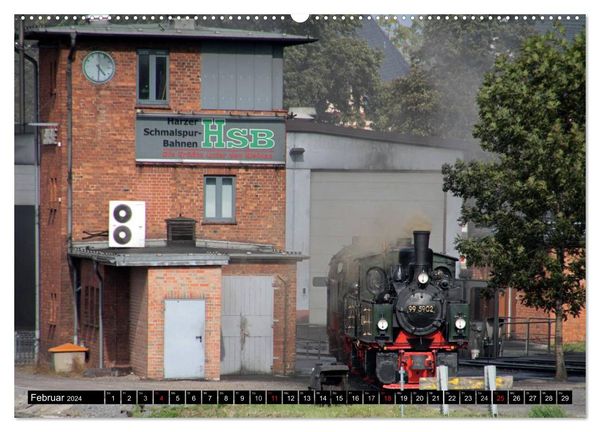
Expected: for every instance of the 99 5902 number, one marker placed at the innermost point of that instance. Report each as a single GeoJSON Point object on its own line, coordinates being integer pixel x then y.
{"type": "Point", "coordinates": [421, 308]}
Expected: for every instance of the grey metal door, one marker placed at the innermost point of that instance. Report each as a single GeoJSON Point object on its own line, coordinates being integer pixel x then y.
{"type": "Point", "coordinates": [247, 325]}
{"type": "Point", "coordinates": [184, 338]}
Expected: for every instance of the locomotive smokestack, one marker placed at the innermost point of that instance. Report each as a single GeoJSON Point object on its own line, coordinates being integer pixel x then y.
{"type": "Point", "coordinates": [421, 248]}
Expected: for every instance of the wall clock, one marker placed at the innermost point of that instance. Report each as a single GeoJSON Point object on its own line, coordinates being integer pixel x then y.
{"type": "Point", "coordinates": [98, 67]}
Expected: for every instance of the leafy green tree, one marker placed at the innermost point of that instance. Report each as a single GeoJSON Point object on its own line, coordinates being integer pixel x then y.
{"type": "Point", "coordinates": [532, 194]}
{"type": "Point", "coordinates": [339, 77]}
{"type": "Point", "coordinates": [408, 105]}
{"type": "Point", "coordinates": [455, 54]}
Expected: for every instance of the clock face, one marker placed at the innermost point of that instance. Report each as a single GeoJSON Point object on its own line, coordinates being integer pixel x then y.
{"type": "Point", "coordinates": [98, 67]}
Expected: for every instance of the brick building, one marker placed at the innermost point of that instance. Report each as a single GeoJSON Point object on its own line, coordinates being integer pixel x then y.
{"type": "Point", "coordinates": [522, 322]}
{"type": "Point", "coordinates": [166, 122]}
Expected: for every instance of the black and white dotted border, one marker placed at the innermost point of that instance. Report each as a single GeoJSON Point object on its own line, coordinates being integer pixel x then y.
{"type": "Point", "coordinates": [209, 18]}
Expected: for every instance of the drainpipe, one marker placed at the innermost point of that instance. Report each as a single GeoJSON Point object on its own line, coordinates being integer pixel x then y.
{"type": "Point", "coordinates": [69, 73]}
{"type": "Point", "coordinates": [100, 321]}
{"type": "Point", "coordinates": [285, 320]}
{"type": "Point", "coordinates": [22, 75]}
{"type": "Point", "coordinates": [37, 206]}
{"type": "Point", "coordinates": [509, 313]}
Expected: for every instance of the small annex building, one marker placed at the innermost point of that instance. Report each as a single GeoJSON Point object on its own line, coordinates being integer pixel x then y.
{"type": "Point", "coordinates": [163, 199]}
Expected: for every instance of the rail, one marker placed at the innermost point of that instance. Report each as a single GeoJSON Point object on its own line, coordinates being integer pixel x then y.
{"type": "Point", "coordinates": [311, 340]}
{"type": "Point", "coordinates": [535, 334]}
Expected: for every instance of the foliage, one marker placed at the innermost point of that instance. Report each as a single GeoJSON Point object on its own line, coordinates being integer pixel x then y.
{"type": "Point", "coordinates": [453, 56]}
{"type": "Point", "coordinates": [575, 347]}
{"type": "Point", "coordinates": [408, 105]}
{"type": "Point", "coordinates": [406, 39]}
{"type": "Point", "coordinates": [338, 77]}
{"type": "Point", "coordinates": [532, 117]}
{"type": "Point", "coordinates": [547, 411]}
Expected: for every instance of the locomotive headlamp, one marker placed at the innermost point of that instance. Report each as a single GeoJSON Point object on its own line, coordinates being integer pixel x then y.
{"type": "Point", "coordinates": [382, 324]}
{"type": "Point", "coordinates": [423, 278]}
{"type": "Point", "coordinates": [460, 323]}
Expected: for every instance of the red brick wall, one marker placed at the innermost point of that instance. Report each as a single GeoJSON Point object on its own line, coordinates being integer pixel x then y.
{"type": "Point", "coordinates": [284, 281]}
{"type": "Point", "coordinates": [56, 308]}
{"type": "Point", "coordinates": [138, 321]}
{"type": "Point", "coordinates": [104, 169]}
{"type": "Point", "coordinates": [184, 283]}
{"type": "Point", "coordinates": [574, 329]}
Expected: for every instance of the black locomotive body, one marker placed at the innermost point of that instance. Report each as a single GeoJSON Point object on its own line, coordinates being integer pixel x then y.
{"type": "Point", "coordinates": [396, 311]}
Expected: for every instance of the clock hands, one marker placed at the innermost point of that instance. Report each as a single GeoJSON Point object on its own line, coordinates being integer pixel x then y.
{"type": "Point", "coordinates": [98, 67]}
{"type": "Point", "coordinates": [100, 71]}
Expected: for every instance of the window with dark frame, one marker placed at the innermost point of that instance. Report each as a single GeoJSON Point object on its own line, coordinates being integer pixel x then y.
{"type": "Point", "coordinates": [153, 77]}
{"type": "Point", "coordinates": [219, 199]}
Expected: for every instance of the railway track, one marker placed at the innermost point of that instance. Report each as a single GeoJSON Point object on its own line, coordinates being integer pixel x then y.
{"type": "Point", "coordinates": [575, 363]}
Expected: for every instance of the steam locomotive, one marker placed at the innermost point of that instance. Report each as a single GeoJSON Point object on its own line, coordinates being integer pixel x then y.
{"type": "Point", "coordinates": [396, 311]}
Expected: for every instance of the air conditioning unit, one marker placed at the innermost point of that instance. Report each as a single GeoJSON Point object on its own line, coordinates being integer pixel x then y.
{"type": "Point", "coordinates": [126, 224]}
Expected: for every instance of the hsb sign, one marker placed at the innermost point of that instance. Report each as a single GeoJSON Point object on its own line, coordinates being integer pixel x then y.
{"type": "Point", "coordinates": [215, 136]}
{"type": "Point", "coordinates": [202, 139]}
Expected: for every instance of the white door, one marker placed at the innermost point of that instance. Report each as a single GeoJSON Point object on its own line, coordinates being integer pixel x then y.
{"type": "Point", "coordinates": [184, 338]}
{"type": "Point", "coordinates": [247, 325]}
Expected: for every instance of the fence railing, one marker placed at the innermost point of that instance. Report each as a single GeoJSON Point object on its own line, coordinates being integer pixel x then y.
{"type": "Point", "coordinates": [311, 341]}
{"type": "Point", "coordinates": [25, 347]}
{"type": "Point", "coordinates": [534, 334]}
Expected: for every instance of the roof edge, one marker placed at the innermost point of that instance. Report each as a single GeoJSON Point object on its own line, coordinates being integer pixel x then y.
{"type": "Point", "coordinates": [201, 33]}
{"type": "Point", "coordinates": [309, 126]}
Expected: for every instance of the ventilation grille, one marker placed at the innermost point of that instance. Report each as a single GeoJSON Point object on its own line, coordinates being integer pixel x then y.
{"type": "Point", "coordinates": [181, 231]}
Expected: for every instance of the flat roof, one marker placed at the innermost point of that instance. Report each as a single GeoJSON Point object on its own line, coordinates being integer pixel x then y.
{"type": "Point", "coordinates": [311, 126]}
{"type": "Point", "coordinates": [164, 31]}
{"type": "Point", "coordinates": [163, 255]}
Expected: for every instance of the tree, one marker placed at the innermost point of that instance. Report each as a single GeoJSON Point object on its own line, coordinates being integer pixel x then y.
{"type": "Point", "coordinates": [408, 105]}
{"type": "Point", "coordinates": [532, 195]}
{"type": "Point", "coordinates": [338, 75]}
{"type": "Point", "coordinates": [407, 39]}
{"type": "Point", "coordinates": [455, 55]}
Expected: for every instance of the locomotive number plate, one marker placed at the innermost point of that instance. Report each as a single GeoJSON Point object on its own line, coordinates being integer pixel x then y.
{"type": "Point", "coordinates": [421, 309]}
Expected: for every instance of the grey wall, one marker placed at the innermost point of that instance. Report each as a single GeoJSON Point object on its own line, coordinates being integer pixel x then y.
{"type": "Point", "coordinates": [25, 185]}
{"type": "Point", "coordinates": [330, 152]}
{"type": "Point", "coordinates": [245, 76]}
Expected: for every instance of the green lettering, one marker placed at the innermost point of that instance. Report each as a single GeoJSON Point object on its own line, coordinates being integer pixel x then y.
{"type": "Point", "coordinates": [213, 129]}
{"type": "Point", "coordinates": [262, 139]}
{"type": "Point", "coordinates": [237, 138]}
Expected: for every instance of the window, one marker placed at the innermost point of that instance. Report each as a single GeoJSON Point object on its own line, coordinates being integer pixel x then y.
{"type": "Point", "coordinates": [219, 199]}
{"type": "Point", "coordinates": [153, 77]}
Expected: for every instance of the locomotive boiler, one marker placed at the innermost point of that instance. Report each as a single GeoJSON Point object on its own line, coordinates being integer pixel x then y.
{"type": "Point", "coordinates": [397, 310]}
